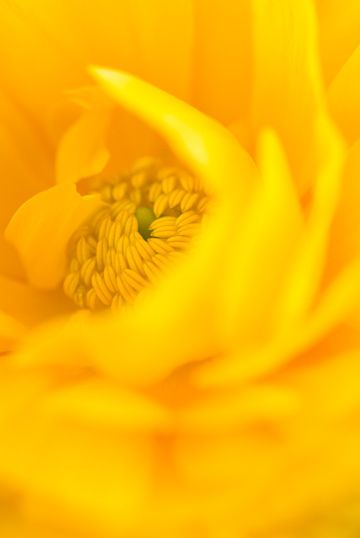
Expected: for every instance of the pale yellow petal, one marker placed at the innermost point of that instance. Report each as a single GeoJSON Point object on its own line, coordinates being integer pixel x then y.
{"type": "Point", "coordinates": [41, 228]}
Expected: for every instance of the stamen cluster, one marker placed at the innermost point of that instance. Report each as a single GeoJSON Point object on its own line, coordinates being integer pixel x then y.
{"type": "Point", "coordinates": [150, 217]}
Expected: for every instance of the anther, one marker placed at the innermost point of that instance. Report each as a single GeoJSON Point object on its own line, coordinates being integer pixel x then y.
{"type": "Point", "coordinates": [150, 217]}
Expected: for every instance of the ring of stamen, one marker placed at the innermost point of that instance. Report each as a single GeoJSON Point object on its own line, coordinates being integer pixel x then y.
{"type": "Point", "coordinates": [150, 217]}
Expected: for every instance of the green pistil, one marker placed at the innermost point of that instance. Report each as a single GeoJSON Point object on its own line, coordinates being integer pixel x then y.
{"type": "Point", "coordinates": [145, 216]}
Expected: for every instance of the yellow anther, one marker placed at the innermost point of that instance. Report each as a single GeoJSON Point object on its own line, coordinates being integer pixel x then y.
{"type": "Point", "coordinates": [187, 182]}
{"type": "Point", "coordinates": [189, 201]}
{"type": "Point", "coordinates": [160, 204]}
{"type": "Point", "coordinates": [150, 217]}
{"type": "Point", "coordinates": [187, 218]}
{"type": "Point", "coordinates": [159, 245]}
{"type": "Point", "coordinates": [175, 197]}
{"type": "Point", "coordinates": [161, 222]}
{"type": "Point", "coordinates": [168, 184]}
{"type": "Point", "coordinates": [71, 283]}
{"type": "Point", "coordinates": [188, 229]}
{"type": "Point", "coordinates": [119, 191]}
{"type": "Point", "coordinates": [87, 271]}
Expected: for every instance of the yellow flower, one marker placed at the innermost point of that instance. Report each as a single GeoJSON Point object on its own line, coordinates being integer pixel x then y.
{"type": "Point", "coordinates": [180, 334]}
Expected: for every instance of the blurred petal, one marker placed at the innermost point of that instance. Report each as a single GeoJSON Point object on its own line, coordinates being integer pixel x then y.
{"type": "Point", "coordinates": [25, 162]}
{"type": "Point", "coordinates": [10, 331]}
{"type": "Point", "coordinates": [263, 248]}
{"type": "Point", "coordinates": [221, 412]}
{"type": "Point", "coordinates": [50, 44]}
{"type": "Point", "coordinates": [42, 227]}
{"type": "Point", "coordinates": [343, 96]}
{"type": "Point", "coordinates": [102, 402]}
{"type": "Point", "coordinates": [344, 245]}
{"type": "Point", "coordinates": [209, 149]}
{"type": "Point", "coordinates": [181, 333]}
{"type": "Point", "coordinates": [308, 267]}
{"type": "Point", "coordinates": [339, 31]}
{"type": "Point", "coordinates": [69, 466]}
{"type": "Point", "coordinates": [286, 78]}
{"type": "Point", "coordinates": [300, 284]}
{"type": "Point", "coordinates": [30, 306]}
{"type": "Point", "coordinates": [83, 151]}
{"type": "Point", "coordinates": [222, 68]}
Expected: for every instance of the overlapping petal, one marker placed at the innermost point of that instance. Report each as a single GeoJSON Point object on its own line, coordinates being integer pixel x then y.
{"type": "Point", "coordinates": [227, 392]}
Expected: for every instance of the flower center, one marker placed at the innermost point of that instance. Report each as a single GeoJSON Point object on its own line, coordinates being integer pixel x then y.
{"type": "Point", "coordinates": [150, 217]}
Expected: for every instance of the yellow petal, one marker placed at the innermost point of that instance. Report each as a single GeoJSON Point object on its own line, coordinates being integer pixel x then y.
{"type": "Point", "coordinates": [68, 466]}
{"type": "Point", "coordinates": [170, 316]}
{"type": "Point", "coordinates": [208, 148]}
{"type": "Point", "coordinates": [222, 55]}
{"type": "Point", "coordinates": [83, 151]}
{"type": "Point", "coordinates": [10, 331]}
{"type": "Point", "coordinates": [37, 68]}
{"type": "Point", "coordinates": [25, 163]}
{"type": "Point", "coordinates": [308, 267]}
{"type": "Point", "coordinates": [99, 402]}
{"type": "Point", "coordinates": [49, 46]}
{"type": "Point", "coordinates": [343, 96]}
{"type": "Point", "coordinates": [41, 228]}
{"type": "Point", "coordinates": [215, 156]}
{"type": "Point", "coordinates": [30, 306]}
{"type": "Point", "coordinates": [286, 78]}
{"type": "Point", "coordinates": [222, 412]}
{"type": "Point", "coordinates": [339, 30]}
{"type": "Point", "coordinates": [262, 249]}
{"type": "Point", "coordinates": [292, 305]}
{"type": "Point", "coordinates": [344, 245]}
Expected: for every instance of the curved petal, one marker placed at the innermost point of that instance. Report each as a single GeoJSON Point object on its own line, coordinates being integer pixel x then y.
{"type": "Point", "coordinates": [170, 317]}
{"type": "Point", "coordinates": [82, 151]}
{"type": "Point", "coordinates": [209, 149]}
{"type": "Point", "coordinates": [42, 227]}
{"type": "Point", "coordinates": [304, 280]}
{"type": "Point", "coordinates": [292, 325]}
{"type": "Point", "coordinates": [263, 248]}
